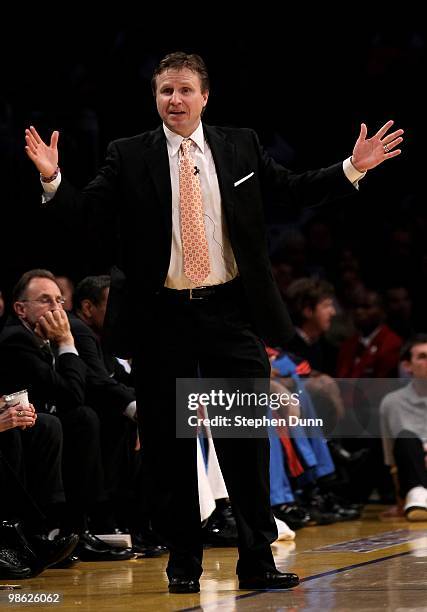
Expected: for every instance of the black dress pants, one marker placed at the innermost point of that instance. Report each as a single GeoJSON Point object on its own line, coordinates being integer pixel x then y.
{"type": "Point", "coordinates": [410, 460]}
{"type": "Point", "coordinates": [82, 463]}
{"type": "Point", "coordinates": [32, 468]}
{"type": "Point", "coordinates": [212, 338]}
{"type": "Point", "coordinates": [120, 463]}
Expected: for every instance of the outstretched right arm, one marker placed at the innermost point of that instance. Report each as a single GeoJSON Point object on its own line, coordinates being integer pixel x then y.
{"type": "Point", "coordinates": [95, 205]}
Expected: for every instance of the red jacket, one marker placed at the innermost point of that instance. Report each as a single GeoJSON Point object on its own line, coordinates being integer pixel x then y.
{"type": "Point", "coordinates": [377, 360]}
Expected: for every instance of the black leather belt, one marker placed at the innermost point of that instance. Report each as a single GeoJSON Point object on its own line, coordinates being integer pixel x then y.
{"type": "Point", "coordinates": [201, 293]}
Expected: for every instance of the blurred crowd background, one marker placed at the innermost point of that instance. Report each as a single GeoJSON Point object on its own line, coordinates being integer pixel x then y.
{"type": "Point", "coordinates": [304, 89]}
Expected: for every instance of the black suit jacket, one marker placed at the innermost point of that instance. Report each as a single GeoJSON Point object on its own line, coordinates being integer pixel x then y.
{"type": "Point", "coordinates": [132, 192]}
{"type": "Point", "coordinates": [103, 391]}
{"type": "Point", "coordinates": [25, 364]}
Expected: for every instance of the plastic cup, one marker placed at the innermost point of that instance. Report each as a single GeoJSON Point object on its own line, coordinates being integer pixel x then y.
{"type": "Point", "coordinates": [19, 397]}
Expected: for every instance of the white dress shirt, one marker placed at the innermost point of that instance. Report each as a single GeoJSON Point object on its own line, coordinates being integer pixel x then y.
{"type": "Point", "coordinates": [223, 263]}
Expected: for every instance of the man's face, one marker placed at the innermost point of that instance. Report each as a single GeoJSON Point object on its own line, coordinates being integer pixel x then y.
{"type": "Point", "coordinates": [42, 295]}
{"type": "Point", "coordinates": [180, 100]}
{"type": "Point", "coordinates": [98, 312]}
{"type": "Point", "coordinates": [417, 366]}
{"type": "Point", "coordinates": [323, 313]}
{"type": "Point", "coordinates": [368, 313]}
{"type": "Point", "coordinates": [398, 302]}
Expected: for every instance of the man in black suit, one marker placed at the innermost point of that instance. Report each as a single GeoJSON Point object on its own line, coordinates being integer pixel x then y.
{"type": "Point", "coordinates": [111, 393]}
{"type": "Point", "coordinates": [181, 311]}
{"type": "Point", "coordinates": [103, 389]}
{"type": "Point", "coordinates": [113, 401]}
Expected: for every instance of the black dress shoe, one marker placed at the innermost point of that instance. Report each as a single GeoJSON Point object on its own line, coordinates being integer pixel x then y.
{"type": "Point", "coordinates": [220, 529]}
{"type": "Point", "coordinates": [184, 585]}
{"type": "Point", "coordinates": [320, 511]}
{"type": "Point", "coordinates": [146, 546]}
{"type": "Point", "coordinates": [50, 552]}
{"type": "Point", "coordinates": [334, 504]}
{"type": "Point", "coordinates": [13, 538]}
{"type": "Point", "coordinates": [91, 548]}
{"type": "Point", "coordinates": [292, 514]}
{"type": "Point", "coordinates": [12, 566]}
{"type": "Point", "coordinates": [146, 551]}
{"type": "Point", "coordinates": [36, 552]}
{"type": "Point", "coordinates": [268, 580]}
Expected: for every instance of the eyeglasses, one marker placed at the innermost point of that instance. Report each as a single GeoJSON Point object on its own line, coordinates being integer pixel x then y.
{"type": "Point", "coordinates": [47, 300]}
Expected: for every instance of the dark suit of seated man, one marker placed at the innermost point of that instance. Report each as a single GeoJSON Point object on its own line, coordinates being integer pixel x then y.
{"type": "Point", "coordinates": [113, 401]}
{"type": "Point", "coordinates": [31, 444]}
{"type": "Point", "coordinates": [37, 352]}
{"type": "Point", "coordinates": [30, 461]}
{"type": "Point", "coordinates": [110, 391]}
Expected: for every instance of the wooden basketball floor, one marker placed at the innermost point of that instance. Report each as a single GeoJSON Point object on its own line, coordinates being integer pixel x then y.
{"type": "Point", "coordinates": [390, 574]}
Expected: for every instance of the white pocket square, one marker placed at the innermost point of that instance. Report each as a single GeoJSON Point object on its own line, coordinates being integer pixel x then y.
{"type": "Point", "coordinates": [245, 178]}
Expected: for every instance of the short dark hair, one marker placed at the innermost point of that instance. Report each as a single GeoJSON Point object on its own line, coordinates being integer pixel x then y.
{"type": "Point", "coordinates": [22, 285]}
{"type": "Point", "coordinates": [91, 288]}
{"type": "Point", "coordinates": [179, 60]}
{"type": "Point", "coordinates": [406, 350]}
{"type": "Point", "coordinates": [306, 293]}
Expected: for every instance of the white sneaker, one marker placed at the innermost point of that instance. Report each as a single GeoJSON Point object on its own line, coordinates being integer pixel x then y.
{"type": "Point", "coordinates": [285, 533]}
{"type": "Point", "coordinates": [415, 507]}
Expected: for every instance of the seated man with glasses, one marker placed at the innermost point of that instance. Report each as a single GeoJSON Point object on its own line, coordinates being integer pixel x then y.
{"type": "Point", "coordinates": [37, 352]}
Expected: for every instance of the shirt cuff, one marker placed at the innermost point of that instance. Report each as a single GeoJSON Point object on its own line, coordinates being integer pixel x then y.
{"type": "Point", "coordinates": [67, 348]}
{"type": "Point", "coordinates": [353, 175]}
{"type": "Point", "coordinates": [49, 189]}
{"type": "Point", "coordinates": [130, 411]}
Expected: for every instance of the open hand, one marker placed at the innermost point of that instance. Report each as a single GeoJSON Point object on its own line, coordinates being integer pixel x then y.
{"type": "Point", "coordinates": [45, 157]}
{"type": "Point", "coordinates": [370, 152]}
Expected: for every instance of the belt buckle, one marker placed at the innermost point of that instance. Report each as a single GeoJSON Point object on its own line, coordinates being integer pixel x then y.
{"type": "Point", "coordinates": [195, 297]}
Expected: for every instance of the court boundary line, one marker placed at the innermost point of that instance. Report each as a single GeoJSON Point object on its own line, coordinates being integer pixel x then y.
{"type": "Point", "coordinates": [220, 602]}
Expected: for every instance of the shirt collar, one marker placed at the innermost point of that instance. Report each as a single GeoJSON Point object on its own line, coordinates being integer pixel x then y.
{"type": "Point", "coordinates": [174, 140]}
{"type": "Point", "coordinates": [413, 396]}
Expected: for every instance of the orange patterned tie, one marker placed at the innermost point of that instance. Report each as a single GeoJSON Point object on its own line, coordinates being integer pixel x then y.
{"type": "Point", "coordinates": [193, 235]}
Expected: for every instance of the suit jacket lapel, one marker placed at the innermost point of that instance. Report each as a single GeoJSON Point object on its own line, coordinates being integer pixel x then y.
{"type": "Point", "coordinates": [156, 156]}
{"type": "Point", "coordinates": [45, 348]}
{"type": "Point", "coordinates": [223, 153]}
